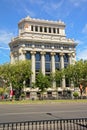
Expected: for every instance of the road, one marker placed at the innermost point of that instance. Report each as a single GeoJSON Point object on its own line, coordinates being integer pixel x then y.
{"type": "Point", "coordinates": [27, 112]}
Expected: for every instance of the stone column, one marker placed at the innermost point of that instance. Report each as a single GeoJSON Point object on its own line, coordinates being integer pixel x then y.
{"type": "Point", "coordinates": [43, 62]}
{"type": "Point", "coordinates": [21, 53]}
{"type": "Point", "coordinates": [33, 66]}
{"type": "Point", "coordinates": [73, 58]}
{"type": "Point", "coordinates": [16, 56]}
{"type": "Point", "coordinates": [62, 66]}
{"type": "Point", "coordinates": [53, 67]}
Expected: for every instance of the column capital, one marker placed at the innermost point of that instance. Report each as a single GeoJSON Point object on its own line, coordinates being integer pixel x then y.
{"type": "Point", "coordinates": [61, 54]}
{"type": "Point", "coordinates": [15, 53]}
{"type": "Point", "coordinates": [21, 52]}
{"type": "Point", "coordinates": [73, 54]}
{"type": "Point", "coordinates": [33, 52]}
{"type": "Point", "coordinates": [69, 54]}
{"type": "Point", "coordinates": [52, 53]}
{"type": "Point", "coordinates": [42, 52]}
{"type": "Point", "coordinates": [11, 53]}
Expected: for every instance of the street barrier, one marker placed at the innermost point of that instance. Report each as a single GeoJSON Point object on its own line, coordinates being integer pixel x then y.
{"type": "Point", "coordinates": [60, 124]}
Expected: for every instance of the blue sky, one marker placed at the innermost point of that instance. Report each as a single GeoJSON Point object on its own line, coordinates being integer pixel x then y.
{"type": "Point", "coordinates": [72, 12]}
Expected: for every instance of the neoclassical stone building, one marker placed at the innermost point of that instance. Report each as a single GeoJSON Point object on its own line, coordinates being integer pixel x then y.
{"type": "Point", "coordinates": [46, 45]}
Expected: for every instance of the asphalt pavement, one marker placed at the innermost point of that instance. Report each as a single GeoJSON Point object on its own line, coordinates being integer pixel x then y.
{"type": "Point", "coordinates": [34, 112]}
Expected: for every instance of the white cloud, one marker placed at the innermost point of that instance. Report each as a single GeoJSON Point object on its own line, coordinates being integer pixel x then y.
{"type": "Point", "coordinates": [5, 37]}
{"type": "Point", "coordinates": [80, 42]}
{"type": "Point", "coordinates": [78, 3]}
{"type": "Point", "coordinates": [53, 5]}
{"type": "Point", "coordinates": [28, 12]}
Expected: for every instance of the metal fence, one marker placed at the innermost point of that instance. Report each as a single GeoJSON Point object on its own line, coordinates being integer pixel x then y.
{"type": "Point", "coordinates": [60, 124]}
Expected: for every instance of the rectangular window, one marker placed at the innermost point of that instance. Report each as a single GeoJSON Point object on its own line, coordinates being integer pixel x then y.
{"type": "Point", "coordinates": [54, 30]}
{"type": "Point", "coordinates": [47, 67]}
{"type": "Point", "coordinates": [58, 30]}
{"type": "Point", "coordinates": [49, 30]}
{"type": "Point", "coordinates": [36, 28]}
{"type": "Point", "coordinates": [45, 29]}
{"type": "Point", "coordinates": [31, 27]}
{"type": "Point", "coordinates": [57, 66]}
{"type": "Point", "coordinates": [37, 66]}
{"type": "Point", "coordinates": [28, 55]}
{"type": "Point", "coordinates": [40, 29]}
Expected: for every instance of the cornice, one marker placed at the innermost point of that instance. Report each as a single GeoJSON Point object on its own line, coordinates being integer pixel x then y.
{"type": "Point", "coordinates": [44, 39]}
{"type": "Point", "coordinates": [42, 21]}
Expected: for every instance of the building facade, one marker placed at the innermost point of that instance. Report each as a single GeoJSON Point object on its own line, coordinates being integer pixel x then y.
{"type": "Point", "coordinates": [46, 45]}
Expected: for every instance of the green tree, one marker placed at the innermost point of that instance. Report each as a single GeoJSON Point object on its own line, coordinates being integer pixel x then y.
{"type": "Point", "coordinates": [42, 82]}
{"type": "Point", "coordinates": [75, 72]}
{"type": "Point", "coordinates": [58, 77]}
{"type": "Point", "coordinates": [16, 73]}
